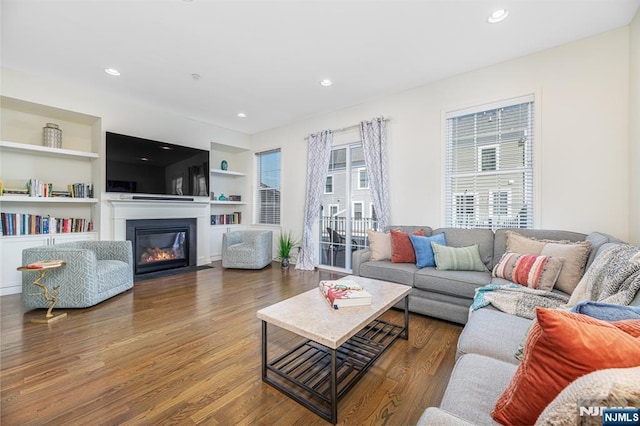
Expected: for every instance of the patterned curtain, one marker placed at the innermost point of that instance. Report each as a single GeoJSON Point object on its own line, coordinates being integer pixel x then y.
{"type": "Point", "coordinates": [375, 158]}
{"type": "Point", "coordinates": [317, 169]}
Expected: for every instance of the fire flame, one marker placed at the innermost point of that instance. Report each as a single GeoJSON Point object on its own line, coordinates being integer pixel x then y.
{"type": "Point", "coordinates": [156, 254]}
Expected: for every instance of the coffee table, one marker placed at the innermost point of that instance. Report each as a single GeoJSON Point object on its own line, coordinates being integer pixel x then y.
{"type": "Point", "coordinates": [339, 346]}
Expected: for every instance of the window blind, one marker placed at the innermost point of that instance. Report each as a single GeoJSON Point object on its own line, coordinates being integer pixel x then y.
{"type": "Point", "coordinates": [267, 200]}
{"type": "Point", "coordinates": [489, 166]}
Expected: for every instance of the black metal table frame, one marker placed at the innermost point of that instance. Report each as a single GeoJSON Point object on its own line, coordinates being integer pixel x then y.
{"type": "Point", "coordinates": [321, 364]}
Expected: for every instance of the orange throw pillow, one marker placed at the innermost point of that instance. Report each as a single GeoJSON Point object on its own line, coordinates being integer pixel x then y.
{"type": "Point", "coordinates": [401, 248]}
{"type": "Point", "coordinates": [561, 347]}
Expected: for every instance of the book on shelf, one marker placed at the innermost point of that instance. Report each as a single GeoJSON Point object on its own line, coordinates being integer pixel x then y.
{"type": "Point", "coordinates": [343, 293]}
{"type": "Point", "coordinates": [38, 188]}
{"type": "Point", "coordinates": [15, 192]}
{"type": "Point", "coordinates": [234, 218]}
{"type": "Point", "coordinates": [80, 190]}
{"type": "Point", "coordinates": [34, 224]}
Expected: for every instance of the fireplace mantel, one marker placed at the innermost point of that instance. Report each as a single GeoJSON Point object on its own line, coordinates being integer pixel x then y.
{"type": "Point", "coordinates": [124, 209]}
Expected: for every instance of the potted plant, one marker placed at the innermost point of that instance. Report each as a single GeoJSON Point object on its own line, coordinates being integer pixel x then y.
{"type": "Point", "coordinates": [286, 243]}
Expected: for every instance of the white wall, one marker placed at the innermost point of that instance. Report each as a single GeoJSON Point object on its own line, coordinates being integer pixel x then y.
{"type": "Point", "coordinates": [634, 131]}
{"type": "Point", "coordinates": [582, 139]}
{"type": "Point", "coordinates": [118, 115]}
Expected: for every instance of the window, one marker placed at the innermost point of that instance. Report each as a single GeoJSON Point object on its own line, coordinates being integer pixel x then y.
{"type": "Point", "coordinates": [489, 165]}
{"type": "Point", "coordinates": [328, 186]}
{"type": "Point", "coordinates": [268, 187]}
{"type": "Point", "coordinates": [363, 179]}
{"type": "Point", "coordinates": [357, 210]}
{"type": "Point", "coordinates": [499, 203]}
{"type": "Point", "coordinates": [465, 211]}
{"type": "Point", "coordinates": [488, 158]}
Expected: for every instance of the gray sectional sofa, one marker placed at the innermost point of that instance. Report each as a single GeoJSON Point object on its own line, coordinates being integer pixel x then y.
{"type": "Point", "coordinates": [486, 363]}
{"type": "Point", "coordinates": [448, 294]}
{"type": "Point", "coordinates": [486, 352]}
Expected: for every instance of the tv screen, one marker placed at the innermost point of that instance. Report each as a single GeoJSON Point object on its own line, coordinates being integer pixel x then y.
{"type": "Point", "coordinates": [142, 166]}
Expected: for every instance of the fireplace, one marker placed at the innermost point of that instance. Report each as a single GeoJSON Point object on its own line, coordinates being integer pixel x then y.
{"type": "Point", "coordinates": [162, 244]}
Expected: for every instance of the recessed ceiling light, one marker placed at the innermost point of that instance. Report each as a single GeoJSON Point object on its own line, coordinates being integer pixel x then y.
{"type": "Point", "coordinates": [144, 158]}
{"type": "Point", "coordinates": [166, 148]}
{"type": "Point", "coordinates": [498, 16]}
{"type": "Point", "coordinates": [326, 82]}
{"type": "Point", "coordinates": [241, 115]}
{"type": "Point", "coordinates": [112, 71]}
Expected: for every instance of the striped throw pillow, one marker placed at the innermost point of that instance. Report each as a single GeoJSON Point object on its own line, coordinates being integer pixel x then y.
{"type": "Point", "coordinates": [539, 272]}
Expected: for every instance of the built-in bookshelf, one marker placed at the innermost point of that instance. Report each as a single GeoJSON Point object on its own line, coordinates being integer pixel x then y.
{"type": "Point", "coordinates": [66, 175]}
{"type": "Point", "coordinates": [229, 214]}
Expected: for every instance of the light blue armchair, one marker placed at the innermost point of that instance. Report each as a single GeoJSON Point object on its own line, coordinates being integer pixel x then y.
{"type": "Point", "coordinates": [95, 271]}
{"type": "Point", "coordinates": [247, 249]}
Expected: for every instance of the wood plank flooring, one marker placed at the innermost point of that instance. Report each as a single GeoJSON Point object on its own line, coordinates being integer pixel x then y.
{"type": "Point", "coordinates": [185, 349]}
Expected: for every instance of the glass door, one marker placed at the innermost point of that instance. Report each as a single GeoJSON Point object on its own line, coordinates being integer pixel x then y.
{"type": "Point", "coordinates": [347, 209]}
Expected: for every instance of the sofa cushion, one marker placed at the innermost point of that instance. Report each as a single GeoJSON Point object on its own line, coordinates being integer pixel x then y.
{"type": "Point", "coordinates": [614, 387]}
{"type": "Point", "coordinates": [494, 334]}
{"type": "Point", "coordinates": [455, 283]}
{"type": "Point", "coordinates": [575, 258]}
{"type": "Point", "coordinates": [401, 247]}
{"type": "Point", "coordinates": [379, 245]}
{"type": "Point", "coordinates": [423, 249]}
{"type": "Point", "coordinates": [500, 239]}
{"type": "Point", "coordinates": [475, 384]}
{"type": "Point", "coordinates": [575, 255]}
{"type": "Point", "coordinates": [607, 311]}
{"type": "Point", "coordinates": [540, 272]}
{"type": "Point", "coordinates": [458, 237]}
{"type": "Point", "coordinates": [401, 273]}
{"type": "Point", "coordinates": [458, 258]}
{"type": "Point", "coordinates": [562, 346]}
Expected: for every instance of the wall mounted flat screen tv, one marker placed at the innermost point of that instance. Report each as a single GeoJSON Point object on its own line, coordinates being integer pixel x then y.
{"type": "Point", "coordinates": [142, 166]}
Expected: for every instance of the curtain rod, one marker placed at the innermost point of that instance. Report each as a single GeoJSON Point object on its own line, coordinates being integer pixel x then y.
{"type": "Point", "coordinates": [355, 126]}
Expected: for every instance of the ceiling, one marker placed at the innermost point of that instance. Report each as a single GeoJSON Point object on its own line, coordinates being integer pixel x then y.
{"type": "Point", "coordinates": [266, 58]}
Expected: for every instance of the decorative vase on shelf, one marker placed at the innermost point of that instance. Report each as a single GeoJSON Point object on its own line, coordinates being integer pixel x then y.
{"type": "Point", "coordinates": [52, 136]}
{"type": "Point", "coordinates": [224, 165]}
{"type": "Point", "coordinates": [222, 198]}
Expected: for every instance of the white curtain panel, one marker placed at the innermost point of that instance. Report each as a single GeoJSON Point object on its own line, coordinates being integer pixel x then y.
{"type": "Point", "coordinates": [317, 169]}
{"type": "Point", "coordinates": [373, 135]}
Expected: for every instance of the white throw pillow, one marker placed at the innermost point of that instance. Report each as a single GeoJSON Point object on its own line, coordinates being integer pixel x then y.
{"type": "Point", "coordinates": [379, 245]}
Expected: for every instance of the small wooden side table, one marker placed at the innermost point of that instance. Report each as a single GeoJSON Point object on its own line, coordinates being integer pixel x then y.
{"type": "Point", "coordinates": [49, 296]}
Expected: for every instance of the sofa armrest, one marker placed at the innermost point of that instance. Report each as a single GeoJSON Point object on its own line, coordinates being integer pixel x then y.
{"type": "Point", "coordinates": [359, 257]}
{"type": "Point", "coordinates": [438, 417]}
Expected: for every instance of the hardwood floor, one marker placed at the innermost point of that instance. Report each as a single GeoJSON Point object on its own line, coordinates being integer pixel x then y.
{"type": "Point", "coordinates": [185, 349]}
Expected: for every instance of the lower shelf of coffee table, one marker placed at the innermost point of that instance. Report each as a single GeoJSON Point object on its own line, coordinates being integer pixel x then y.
{"type": "Point", "coordinates": [308, 365]}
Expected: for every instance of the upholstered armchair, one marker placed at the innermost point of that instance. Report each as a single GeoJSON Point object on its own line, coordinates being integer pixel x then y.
{"type": "Point", "coordinates": [94, 271]}
{"type": "Point", "coordinates": [247, 249]}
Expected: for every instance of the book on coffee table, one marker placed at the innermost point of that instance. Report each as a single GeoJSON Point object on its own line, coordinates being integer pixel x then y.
{"type": "Point", "coordinates": [343, 293]}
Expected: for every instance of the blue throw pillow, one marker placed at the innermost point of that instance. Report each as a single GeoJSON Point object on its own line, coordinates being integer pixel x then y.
{"type": "Point", "coordinates": [423, 249]}
{"type": "Point", "coordinates": [607, 311]}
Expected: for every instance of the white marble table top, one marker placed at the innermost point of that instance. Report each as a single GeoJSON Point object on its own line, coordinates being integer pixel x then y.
{"type": "Point", "coordinates": [310, 315]}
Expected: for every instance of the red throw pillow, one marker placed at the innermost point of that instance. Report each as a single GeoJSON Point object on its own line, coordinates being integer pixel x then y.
{"type": "Point", "coordinates": [561, 347]}
{"type": "Point", "coordinates": [401, 248]}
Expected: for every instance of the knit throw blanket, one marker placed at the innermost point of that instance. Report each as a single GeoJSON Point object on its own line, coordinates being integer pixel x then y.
{"type": "Point", "coordinates": [613, 277]}
{"type": "Point", "coordinates": [517, 300]}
